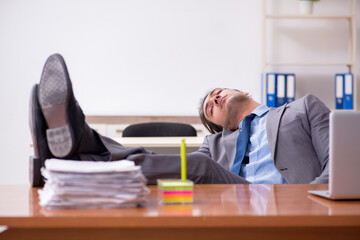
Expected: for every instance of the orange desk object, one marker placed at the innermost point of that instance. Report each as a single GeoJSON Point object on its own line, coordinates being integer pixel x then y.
{"type": "Point", "coordinates": [218, 212]}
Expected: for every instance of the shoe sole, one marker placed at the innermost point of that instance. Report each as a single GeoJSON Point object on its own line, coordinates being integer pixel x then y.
{"type": "Point", "coordinates": [32, 120]}
{"type": "Point", "coordinates": [53, 99]}
{"type": "Point", "coordinates": [35, 162]}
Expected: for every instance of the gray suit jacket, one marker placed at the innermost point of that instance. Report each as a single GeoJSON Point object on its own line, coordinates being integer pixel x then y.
{"type": "Point", "coordinates": [298, 136]}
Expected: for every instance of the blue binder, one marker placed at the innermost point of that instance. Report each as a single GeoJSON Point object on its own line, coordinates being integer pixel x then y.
{"type": "Point", "coordinates": [339, 91]}
{"type": "Point", "coordinates": [280, 89]}
{"type": "Point", "coordinates": [348, 91]}
{"type": "Point", "coordinates": [290, 87]}
{"type": "Point", "coordinates": [271, 89]}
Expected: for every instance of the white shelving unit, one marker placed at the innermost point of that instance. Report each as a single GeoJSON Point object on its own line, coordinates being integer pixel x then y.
{"type": "Point", "coordinates": [350, 63]}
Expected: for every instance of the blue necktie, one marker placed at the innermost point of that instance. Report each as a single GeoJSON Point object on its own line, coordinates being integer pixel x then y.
{"type": "Point", "coordinates": [242, 143]}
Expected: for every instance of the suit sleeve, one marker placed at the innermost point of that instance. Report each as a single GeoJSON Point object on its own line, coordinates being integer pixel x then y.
{"type": "Point", "coordinates": [318, 116]}
{"type": "Point", "coordinates": [204, 148]}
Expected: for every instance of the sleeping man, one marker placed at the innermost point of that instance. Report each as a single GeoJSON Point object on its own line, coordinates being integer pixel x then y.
{"type": "Point", "coordinates": [250, 142]}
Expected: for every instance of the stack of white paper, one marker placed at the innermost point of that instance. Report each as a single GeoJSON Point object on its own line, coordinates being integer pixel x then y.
{"type": "Point", "coordinates": [87, 184]}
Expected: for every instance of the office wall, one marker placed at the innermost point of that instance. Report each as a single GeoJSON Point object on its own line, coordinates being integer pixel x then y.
{"type": "Point", "coordinates": [148, 57]}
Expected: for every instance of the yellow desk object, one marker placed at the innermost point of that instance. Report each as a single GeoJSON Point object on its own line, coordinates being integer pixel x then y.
{"type": "Point", "coordinates": [174, 191]}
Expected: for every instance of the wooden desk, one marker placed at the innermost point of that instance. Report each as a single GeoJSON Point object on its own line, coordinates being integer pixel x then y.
{"type": "Point", "coordinates": [160, 141]}
{"type": "Point", "coordinates": [113, 126]}
{"type": "Point", "coordinates": [162, 145]}
{"type": "Point", "coordinates": [219, 212]}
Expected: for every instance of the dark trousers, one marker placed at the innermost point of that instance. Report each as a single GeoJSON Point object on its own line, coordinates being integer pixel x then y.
{"type": "Point", "coordinates": [200, 167]}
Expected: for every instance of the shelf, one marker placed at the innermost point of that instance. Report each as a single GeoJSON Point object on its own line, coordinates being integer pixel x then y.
{"type": "Point", "coordinates": [329, 17]}
{"type": "Point", "coordinates": [348, 64]}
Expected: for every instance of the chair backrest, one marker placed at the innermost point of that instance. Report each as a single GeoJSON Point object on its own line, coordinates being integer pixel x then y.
{"type": "Point", "coordinates": [159, 129]}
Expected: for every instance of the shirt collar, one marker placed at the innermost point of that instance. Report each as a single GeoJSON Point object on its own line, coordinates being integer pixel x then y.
{"type": "Point", "coordinates": [260, 110]}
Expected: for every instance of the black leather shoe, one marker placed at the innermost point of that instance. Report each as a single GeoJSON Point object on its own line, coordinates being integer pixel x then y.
{"type": "Point", "coordinates": [63, 115]}
{"type": "Point", "coordinates": [38, 132]}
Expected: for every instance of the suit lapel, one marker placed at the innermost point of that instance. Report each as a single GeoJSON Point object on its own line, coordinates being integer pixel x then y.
{"type": "Point", "coordinates": [229, 140]}
{"type": "Point", "coordinates": [272, 127]}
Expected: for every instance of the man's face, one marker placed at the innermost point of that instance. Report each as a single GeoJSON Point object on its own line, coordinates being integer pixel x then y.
{"type": "Point", "coordinates": [222, 107]}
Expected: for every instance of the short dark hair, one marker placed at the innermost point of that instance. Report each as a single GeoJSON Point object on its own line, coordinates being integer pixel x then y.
{"type": "Point", "coordinates": [212, 127]}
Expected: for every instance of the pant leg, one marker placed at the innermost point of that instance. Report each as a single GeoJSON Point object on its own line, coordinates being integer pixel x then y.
{"type": "Point", "coordinates": [96, 147]}
{"type": "Point", "coordinates": [91, 147]}
{"type": "Point", "coordinates": [200, 167]}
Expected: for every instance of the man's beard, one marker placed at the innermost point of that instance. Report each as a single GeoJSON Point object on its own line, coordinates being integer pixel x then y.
{"type": "Point", "coordinates": [235, 105]}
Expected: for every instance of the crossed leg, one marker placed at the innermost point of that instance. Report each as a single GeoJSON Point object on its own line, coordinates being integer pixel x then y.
{"type": "Point", "coordinates": [59, 130]}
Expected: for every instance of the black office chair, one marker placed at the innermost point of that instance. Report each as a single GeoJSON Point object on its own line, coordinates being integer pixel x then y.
{"type": "Point", "coordinates": [159, 129]}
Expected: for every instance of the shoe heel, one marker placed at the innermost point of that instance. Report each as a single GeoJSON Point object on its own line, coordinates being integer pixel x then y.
{"type": "Point", "coordinates": [60, 141]}
{"type": "Point", "coordinates": [35, 177]}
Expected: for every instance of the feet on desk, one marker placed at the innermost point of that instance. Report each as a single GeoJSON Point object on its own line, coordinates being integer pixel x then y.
{"type": "Point", "coordinates": [40, 145]}
{"type": "Point", "coordinates": [63, 115]}
{"type": "Point", "coordinates": [57, 122]}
